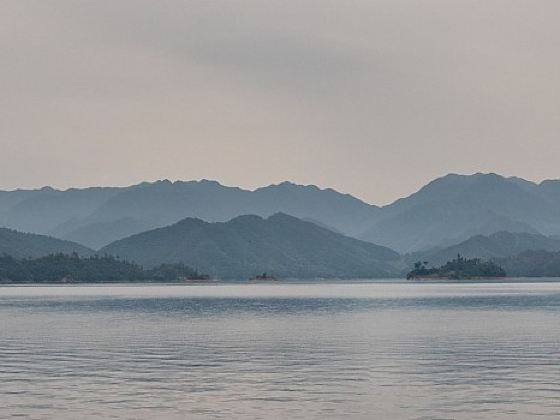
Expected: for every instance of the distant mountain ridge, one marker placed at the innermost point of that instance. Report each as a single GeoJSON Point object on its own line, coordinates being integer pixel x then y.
{"type": "Point", "coordinates": [41, 211]}
{"type": "Point", "coordinates": [98, 216]}
{"type": "Point", "coordinates": [446, 211]}
{"type": "Point", "coordinates": [248, 245]}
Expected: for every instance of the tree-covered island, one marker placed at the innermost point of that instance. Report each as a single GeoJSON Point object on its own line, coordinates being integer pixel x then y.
{"type": "Point", "coordinates": [62, 268]}
{"type": "Point", "coordinates": [457, 269]}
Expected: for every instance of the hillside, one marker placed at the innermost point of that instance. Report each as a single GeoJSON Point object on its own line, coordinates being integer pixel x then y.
{"type": "Point", "coordinates": [532, 264]}
{"type": "Point", "coordinates": [455, 207]}
{"type": "Point", "coordinates": [497, 245]}
{"type": "Point", "coordinates": [248, 245]}
{"type": "Point", "coordinates": [26, 245]}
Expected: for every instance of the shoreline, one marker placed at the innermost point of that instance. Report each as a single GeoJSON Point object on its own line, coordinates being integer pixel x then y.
{"type": "Point", "coordinates": [284, 282]}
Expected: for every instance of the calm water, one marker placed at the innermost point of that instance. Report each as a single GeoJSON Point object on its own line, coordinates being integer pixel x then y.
{"type": "Point", "coordinates": [371, 350]}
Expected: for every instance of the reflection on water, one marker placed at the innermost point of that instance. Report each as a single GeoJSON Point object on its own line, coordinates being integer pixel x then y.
{"type": "Point", "coordinates": [369, 350]}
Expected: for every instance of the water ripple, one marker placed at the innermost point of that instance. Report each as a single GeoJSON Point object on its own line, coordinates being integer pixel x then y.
{"type": "Point", "coordinates": [293, 351]}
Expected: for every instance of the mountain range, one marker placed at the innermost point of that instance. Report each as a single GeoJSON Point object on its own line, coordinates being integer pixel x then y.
{"type": "Point", "coordinates": [290, 247]}
{"type": "Point", "coordinates": [97, 216]}
{"type": "Point", "coordinates": [446, 211]}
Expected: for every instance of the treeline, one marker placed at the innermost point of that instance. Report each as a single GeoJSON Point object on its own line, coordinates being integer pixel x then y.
{"type": "Point", "coordinates": [457, 269]}
{"type": "Point", "coordinates": [62, 268]}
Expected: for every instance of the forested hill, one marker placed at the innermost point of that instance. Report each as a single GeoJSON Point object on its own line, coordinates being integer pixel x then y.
{"type": "Point", "coordinates": [281, 245]}
{"type": "Point", "coordinates": [75, 269]}
{"type": "Point", "coordinates": [25, 245]}
{"type": "Point", "coordinates": [532, 263]}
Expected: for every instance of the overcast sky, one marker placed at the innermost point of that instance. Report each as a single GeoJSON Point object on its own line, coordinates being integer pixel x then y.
{"type": "Point", "coordinates": [374, 98]}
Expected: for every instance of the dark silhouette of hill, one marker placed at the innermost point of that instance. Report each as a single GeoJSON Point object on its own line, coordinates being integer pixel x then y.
{"type": "Point", "coordinates": [28, 245]}
{"type": "Point", "coordinates": [534, 263]}
{"type": "Point", "coordinates": [281, 245]}
{"type": "Point", "coordinates": [62, 268]}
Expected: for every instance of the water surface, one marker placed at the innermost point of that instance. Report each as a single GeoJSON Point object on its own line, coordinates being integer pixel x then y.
{"type": "Point", "coordinates": [298, 351]}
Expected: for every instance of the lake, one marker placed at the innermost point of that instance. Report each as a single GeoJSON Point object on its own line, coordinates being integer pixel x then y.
{"type": "Point", "coordinates": [385, 350]}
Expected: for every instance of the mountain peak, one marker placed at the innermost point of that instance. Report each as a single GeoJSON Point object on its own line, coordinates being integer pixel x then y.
{"type": "Point", "coordinates": [192, 221]}
{"type": "Point", "coordinates": [284, 185]}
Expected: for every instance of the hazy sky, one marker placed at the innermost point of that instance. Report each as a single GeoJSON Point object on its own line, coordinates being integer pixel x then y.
{"type": "Point", "coordinates": [369, 97]}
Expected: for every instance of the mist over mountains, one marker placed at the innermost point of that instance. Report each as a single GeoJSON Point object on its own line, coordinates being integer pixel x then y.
{"type": "Point", "coordinates": [293, 230]}
{"type": "Point", "coordinates": [97, 216]}
{"type": "Point", "coordinates": [446, 211]}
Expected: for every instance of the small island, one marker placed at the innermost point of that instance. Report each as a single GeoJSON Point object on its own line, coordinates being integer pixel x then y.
{"type": "Point", "coordinates": [458, 269]}
{"type": "Point", "coordinates": [263, 277]}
